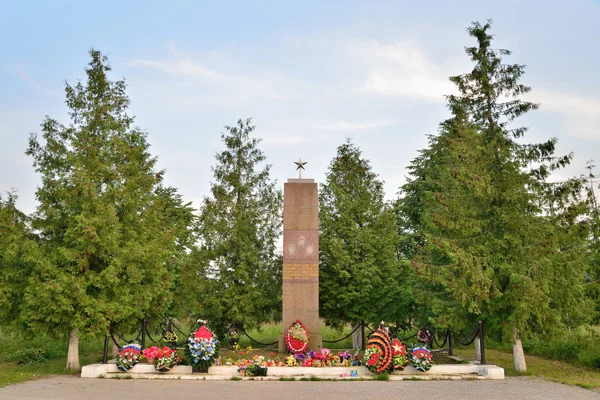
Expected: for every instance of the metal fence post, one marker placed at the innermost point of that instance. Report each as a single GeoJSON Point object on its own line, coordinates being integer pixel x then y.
{"type": "Point", "coordinates": [143, 333]}
{"type": "Point", "coordinates": [362, 327]}
{"type": "Point", "coordinates": [481, 343]}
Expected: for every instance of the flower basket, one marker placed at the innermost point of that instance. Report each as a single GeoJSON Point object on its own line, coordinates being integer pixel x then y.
{"type": "Point", "coordinates": [164, 368]}
{"type": "Point", "coordinates": [253, 370]}
{"type": "Point", "coordinates": [297, 338]}
{"type": "Point", "coordinates": [164, 359]}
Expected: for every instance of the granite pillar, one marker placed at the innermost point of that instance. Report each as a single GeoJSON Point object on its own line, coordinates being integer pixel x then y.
{"type": "Point", "coordinates": [301, 259]}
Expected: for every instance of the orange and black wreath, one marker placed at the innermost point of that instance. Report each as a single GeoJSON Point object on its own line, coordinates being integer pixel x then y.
{"type": "Point", "coordinates": [379, 354]}
{"type": "Point", "coordinates": [297, 338]}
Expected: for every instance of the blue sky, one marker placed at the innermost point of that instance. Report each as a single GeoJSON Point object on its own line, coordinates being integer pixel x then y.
{"type": "Point", "coordinates": [309, 74]}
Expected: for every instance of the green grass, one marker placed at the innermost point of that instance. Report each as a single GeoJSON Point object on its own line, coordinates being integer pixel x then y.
{"type": "Point", "coordinates": [14, 373]}
{"type": "Point", "coordinates": [553, 370]}
{"type": "Point", "coordinates": [39, 355]}
{"type": "Point", "coordinates": [382, 377]}
{"type": "Point", "coordinates": [269, 333]}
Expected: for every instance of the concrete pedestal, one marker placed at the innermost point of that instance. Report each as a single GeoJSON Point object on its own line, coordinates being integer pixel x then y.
{"type": "Point", "coordinates": [301, 259]}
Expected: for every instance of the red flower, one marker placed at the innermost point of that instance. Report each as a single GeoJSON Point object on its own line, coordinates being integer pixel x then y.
{"type": "Point", "coordinates": [203, 333]}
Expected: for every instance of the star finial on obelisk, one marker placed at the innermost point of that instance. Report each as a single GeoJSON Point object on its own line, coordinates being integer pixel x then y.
{"type": "Point", "coordinates": [300, 166]}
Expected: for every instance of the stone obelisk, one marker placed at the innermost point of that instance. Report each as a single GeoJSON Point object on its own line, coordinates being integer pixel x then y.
{"type": "Point", "coordinates": [301, 257]}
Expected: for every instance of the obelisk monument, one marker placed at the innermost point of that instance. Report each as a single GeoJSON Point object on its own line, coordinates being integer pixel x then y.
{"type": "Point", "coordinates": [301, 257]}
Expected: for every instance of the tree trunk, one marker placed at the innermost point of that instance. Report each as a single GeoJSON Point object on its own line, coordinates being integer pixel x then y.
{"type": "Point", "coordinates": [357, 337]}
{"type": "Point", "coordinates": [115, 350]}
{"type": "Point", "coordinates": [477, 343]}
{"type": "Point", "coordinates": [518, 354]}
{"type": "Point", "coordinates": [73, 352]}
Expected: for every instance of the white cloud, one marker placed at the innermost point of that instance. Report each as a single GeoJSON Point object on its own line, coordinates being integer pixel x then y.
{"type": "Point", "coordinates": [23, 73]}
{"type": "Point", "coordinates": [354, 126]}
{"type": "Point", "coordinates": [403, 69]}
{"type": "Point", "coordinates": [582, 114]}
{"type": "Point", "coordinates": [194, 71]}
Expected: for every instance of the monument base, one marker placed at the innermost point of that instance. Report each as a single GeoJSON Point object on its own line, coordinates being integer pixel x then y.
{"type": "Point", "coordinates": [315, 344]}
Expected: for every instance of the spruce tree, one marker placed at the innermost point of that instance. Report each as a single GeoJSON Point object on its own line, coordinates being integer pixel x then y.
{"type": "Point", "coordinates": [110, 239]}
{"type": "Point", "coordinates": [360, 276]}
{"type": "Point", "coordinates": [19, 252]}
{"type": "Point", "coordinates": [491, 233]}
{"type": "Point", "coordinates": [234, 275]}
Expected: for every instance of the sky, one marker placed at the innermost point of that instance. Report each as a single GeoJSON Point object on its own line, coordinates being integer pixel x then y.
{"type": "Point", "coordinates": [310, 74]}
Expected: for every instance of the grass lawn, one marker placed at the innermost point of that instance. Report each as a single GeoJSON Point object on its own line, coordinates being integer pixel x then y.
{"type": "Point", "coordinates": [556, 371]}
{"type": "Point", "coordinates": [14, 373]}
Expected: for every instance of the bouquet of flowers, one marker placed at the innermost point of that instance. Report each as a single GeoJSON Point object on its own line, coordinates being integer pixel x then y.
{"type": "Point", "coordinates": [129, 355]}
{"type": "Point", "coordinates": [202, 348]}
{"type": "Point", "coordinates": [297, 338]}
{"type": "Point", "coordinates": [421, 359]}
{"type": "Point", "coordinates": [400, 359]}
{"type": "Point", "coordinates": [164, 359]}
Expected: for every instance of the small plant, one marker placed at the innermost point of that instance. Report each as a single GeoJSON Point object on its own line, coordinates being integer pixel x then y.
{"type": "Point", "coordinates": [31, 356]}
{"type": "Point", "coordinates": [382, 377]}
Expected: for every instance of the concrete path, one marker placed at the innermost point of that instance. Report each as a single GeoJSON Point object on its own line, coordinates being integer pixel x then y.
{"type": "Point", "coordinates": [69, 387]}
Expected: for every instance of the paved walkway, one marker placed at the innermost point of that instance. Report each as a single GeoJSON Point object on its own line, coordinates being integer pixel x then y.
{"type": "Point", "coordinates": [69, 387]}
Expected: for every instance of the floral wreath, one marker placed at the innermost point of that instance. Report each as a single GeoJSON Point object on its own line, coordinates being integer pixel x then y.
{"type": "Point", "coordinates": [378, 354]}
{"type": "Point", "coordinates": [424, 335]}
{"type": "Point", "coordinates": [421, 359]}
{"type": "Point", "coordinates": [202, 348]}
{"type": "Point", "coordinates": [297, 337]}
{"type": "Point", "coordinates": [129, 356]}
{"type": "Point", "coordinates": [400, 358]}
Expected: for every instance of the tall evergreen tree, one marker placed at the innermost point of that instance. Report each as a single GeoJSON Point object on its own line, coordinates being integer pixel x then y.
{"type": "Point", "coordinates": [360, 276]}
{"type": "Point", "coordinates": [593, 250]}
{"type": "Point", "coordinates": [235, 273]}
{"type": "Point", "coordinates": [19, 252]}
{"type": "Point", "coordinates": [105, 219]}
{"type": "Point", "coordinates": [480, 204]}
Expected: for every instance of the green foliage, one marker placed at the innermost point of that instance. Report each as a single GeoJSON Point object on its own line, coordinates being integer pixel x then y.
{"type": "Point", "coordinates": [384, 376]}
{"type": "Point", "coordinates": [111, 232]}
{"type": "Point", "coordinates": [29, 356]}
{"type": "Point", "coordinates": [360, 276]}
{"type": "Point", "coordinates": [490, 236]}
{"type": "Point", "coordinates": [578, 346]}
{"type": "Point", "coordinates": [19, 252]}
{"type": "Point", "coordinates": [235, 273]}
{"type": "Point", "coordinates": [593, 250]}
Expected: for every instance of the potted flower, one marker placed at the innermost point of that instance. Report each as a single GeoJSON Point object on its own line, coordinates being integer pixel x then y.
{"type": "Point", "coordinates": [129, 356]}
{"type": "Point", "coordinates": [164, 359]}
{"type": "Point", "coordinates": [255, 368]}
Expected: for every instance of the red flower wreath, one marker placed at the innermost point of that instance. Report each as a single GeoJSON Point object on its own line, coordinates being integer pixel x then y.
{"type": "Point", "coordinates": [297, 337]}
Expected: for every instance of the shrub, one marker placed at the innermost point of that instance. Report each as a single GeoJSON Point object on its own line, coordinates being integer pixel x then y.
{"type": "Point", "coordinates": [30, 356]}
